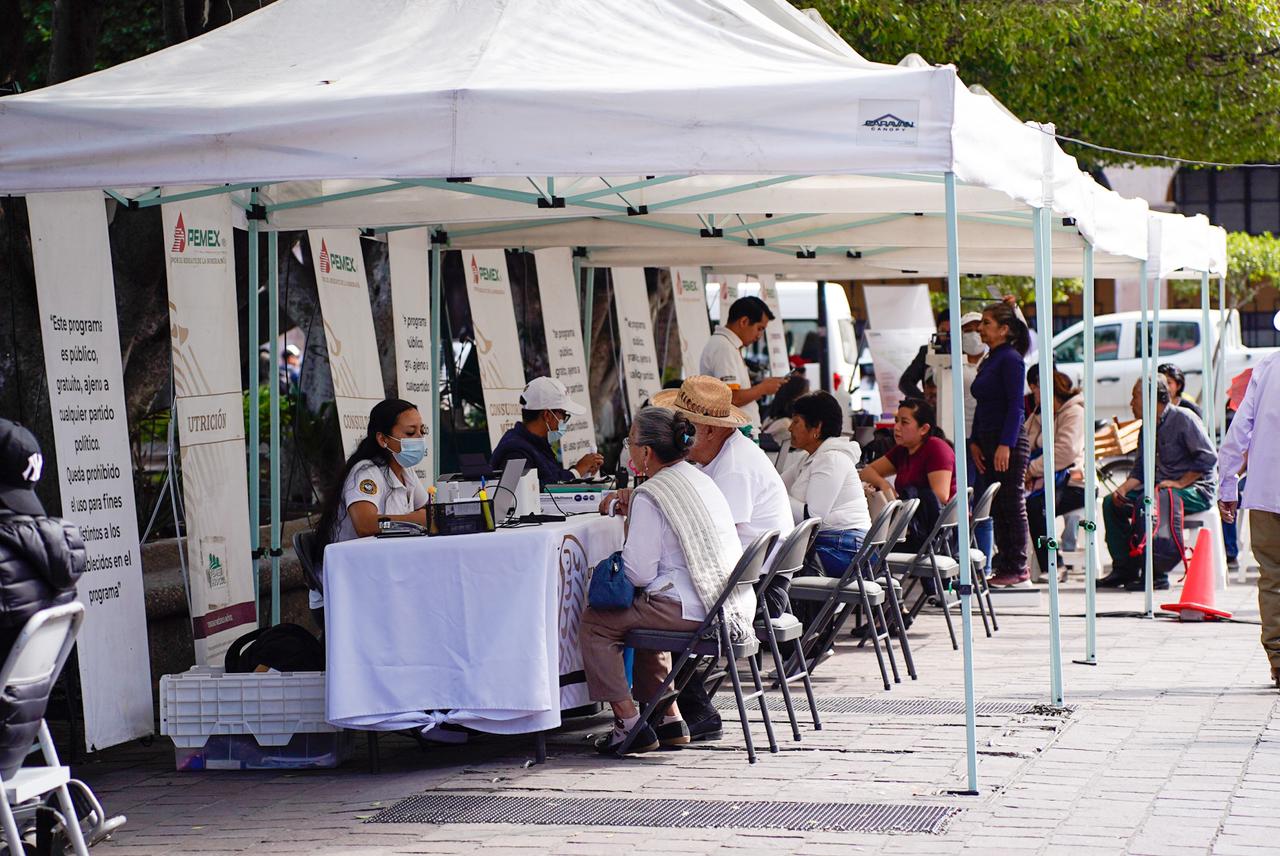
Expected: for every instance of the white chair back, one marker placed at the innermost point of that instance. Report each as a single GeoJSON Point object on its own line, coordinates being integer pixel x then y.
{"type": "Point", "coordinates": [43, 646]}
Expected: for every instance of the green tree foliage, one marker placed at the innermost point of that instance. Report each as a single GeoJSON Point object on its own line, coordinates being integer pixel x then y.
{"type": "Point", "coordinates": [128, 29]}
{"type": "Point", "coordinates": [976, 291]}
{"type": "Point", "coordinates": [1197, 79]}
{"type": "Point", "coordinates": [1252, 262]}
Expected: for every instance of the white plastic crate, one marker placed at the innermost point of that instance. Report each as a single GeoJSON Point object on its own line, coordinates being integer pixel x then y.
{"type": "Point", "coordinates": [270, 706]}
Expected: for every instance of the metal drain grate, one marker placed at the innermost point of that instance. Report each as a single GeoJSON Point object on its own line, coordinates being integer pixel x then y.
{"type": "Point", "coordinates": [667, 813]}
{"type": "Point", "coordinates": [885, 706]}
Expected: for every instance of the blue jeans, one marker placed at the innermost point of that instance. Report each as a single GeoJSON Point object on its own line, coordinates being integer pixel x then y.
{"type": "Point", "coordinates": [835, 549]}
{"type": "Point", "coordinates": [985, 535]}
{"type": "Point", "coordinates": [1229, 541]}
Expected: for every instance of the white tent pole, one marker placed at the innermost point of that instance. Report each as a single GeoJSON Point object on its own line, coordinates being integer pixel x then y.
{"type": "Point", "coordinates": [1222, 385]}
{"type": "Point", "coordinates": [962, 481]}
{"type": "Point", "coordinates": [588, 310]}
{"type": "Point", "coordinates": [1090, 523]}
{"type": "Point", "coordinates": [1206, 359]}
{"type": "Point", "coordinates": [273, 329]}
{"type": "Point", "coordinates": [1043, 234]}
{"type": "Point", "coordinates": [254, 387]}
{"type": "Point", "coordinates": [1148, 438]}
{"type": "Point", "coordinates": [436, 288]}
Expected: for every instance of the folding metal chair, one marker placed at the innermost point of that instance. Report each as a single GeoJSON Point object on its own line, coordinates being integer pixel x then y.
{"type": "Point", "coordinates": [787, 560]}
{"type": "Point", "coordinates": [931, 562]}
{"type": "Point", "coordinates": [855, 589]}
{"type": "Point", "coordinates": [711, 642]}
{"type": "Point", "coordinates": [37, 658]}
{"type": "Point", "coordinates": [304, 545]}
{"type": "Point", "coordinates": [978, 559]}
{"type": "Point", "coordinates": [897, 531]}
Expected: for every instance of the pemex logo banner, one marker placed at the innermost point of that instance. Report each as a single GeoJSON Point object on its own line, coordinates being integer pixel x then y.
{"type": "Point", "coordinates": [482, 274]}
{"type": "Point", "coordinates": [324, 257]}
{"type": "Point", "coordinates": [200, 244]}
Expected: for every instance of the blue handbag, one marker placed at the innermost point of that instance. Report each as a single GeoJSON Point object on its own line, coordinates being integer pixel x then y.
{"type": "Point", "coordinates": [610, 588]}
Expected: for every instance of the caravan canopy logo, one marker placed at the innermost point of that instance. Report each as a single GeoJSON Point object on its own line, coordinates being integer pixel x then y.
{"type": "Point", "coordinates": [487, 274]}
{"type": "Point", "coordinates": [195, 238]}
{"type": "Point", "coordinates": [329, 262]}
{"type": "Point", "coordinates": [883, 122]}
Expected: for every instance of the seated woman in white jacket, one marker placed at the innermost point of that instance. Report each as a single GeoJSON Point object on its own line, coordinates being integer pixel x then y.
{"type": "Point", "coordinates": [825, 482]}
{"type": "Point", "coordinates": [681, 547]}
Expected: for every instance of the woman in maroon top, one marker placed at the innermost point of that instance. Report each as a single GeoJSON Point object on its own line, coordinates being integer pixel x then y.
{"type": "Point", "coordinates": [921, 461]}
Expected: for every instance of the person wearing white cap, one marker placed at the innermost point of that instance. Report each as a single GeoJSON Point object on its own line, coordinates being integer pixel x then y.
{"type": "Point", "coordinates": [546, 409]}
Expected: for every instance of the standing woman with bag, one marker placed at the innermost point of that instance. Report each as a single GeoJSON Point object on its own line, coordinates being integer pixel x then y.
{"type": "Point", "coordinates": [997, 441]}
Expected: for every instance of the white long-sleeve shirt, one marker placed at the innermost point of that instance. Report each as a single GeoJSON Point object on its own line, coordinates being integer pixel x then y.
{"type": "Point", "coordinates": [652, 557]}
{"type": "Point", "coordinates": [1254, 433]}
{"type": "Point", "coordinates": [826, 484]}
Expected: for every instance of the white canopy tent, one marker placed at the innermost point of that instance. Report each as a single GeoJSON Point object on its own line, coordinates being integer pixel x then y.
{"type": "Point", "coordinates": [682, 115]}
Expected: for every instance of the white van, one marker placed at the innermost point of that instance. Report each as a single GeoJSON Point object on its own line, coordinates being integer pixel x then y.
{"type": "Point", "coordinates": [799, 304]}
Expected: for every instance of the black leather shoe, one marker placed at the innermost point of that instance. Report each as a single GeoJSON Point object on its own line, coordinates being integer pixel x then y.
{"type": "Point", "coordinates": [707, 729]}
{"type": "Point", "coordinates": [673, 733]}
{"type": "Point", "coordinates": [646, 741]}
{"type": "Point", "coordinates": [1115, 579]}
{"type": "Point", "coordinates": [1157, 584]}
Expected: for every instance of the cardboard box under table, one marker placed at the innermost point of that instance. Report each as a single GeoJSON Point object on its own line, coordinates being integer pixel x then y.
{"type": "Point", "coordinates": [479, 630]}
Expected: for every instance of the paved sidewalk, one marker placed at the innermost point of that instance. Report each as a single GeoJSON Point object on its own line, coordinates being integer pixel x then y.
{"type": "Point", "coordinates": [1172, 746]}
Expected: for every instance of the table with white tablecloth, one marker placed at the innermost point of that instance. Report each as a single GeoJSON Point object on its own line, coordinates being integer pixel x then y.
{"type": "Point", "coordinates": [478, 630]}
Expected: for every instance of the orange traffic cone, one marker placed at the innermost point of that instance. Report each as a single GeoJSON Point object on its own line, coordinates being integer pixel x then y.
{"type": "Point", "coordinates": [1197, 592]}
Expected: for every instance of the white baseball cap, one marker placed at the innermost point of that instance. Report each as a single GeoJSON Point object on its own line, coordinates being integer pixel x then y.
{"type": "Point", "coordinates": [970, 318]}
{"type": "Point", "coordinates": [547, 393]}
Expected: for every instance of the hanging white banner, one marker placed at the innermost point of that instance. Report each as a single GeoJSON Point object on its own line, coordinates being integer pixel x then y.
{"type": "Point", "coordinates": [209, 402]}
{"type": "Point", "coordinates": [409, 251]}
{"type": "Point", "coordinates": [728, 293]}
{"type": "Point", "coordinates": [900, 320]}
{"type": "Point", "coordinates": [561, 321]}
{"type": "Point", "coordinates": [83, 369]}
{"type": "Point", "coordinates": [635, 336]}
{"type": "Point", "coordinates": [493, 317]}
{"type": "Point", "coordinates": [692, 320]}
{"type": "Point", "coordinates": [775, 333]}
{"type": "Point", "coordinates": [348, 329]}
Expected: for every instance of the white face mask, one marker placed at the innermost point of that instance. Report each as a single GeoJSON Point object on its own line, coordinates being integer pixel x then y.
{"type": "Point", "coordinates": [971, 344]}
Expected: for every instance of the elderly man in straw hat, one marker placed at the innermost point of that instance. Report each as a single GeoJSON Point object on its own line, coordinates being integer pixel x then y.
{"type": "Point", "coordinates": [747, 478]}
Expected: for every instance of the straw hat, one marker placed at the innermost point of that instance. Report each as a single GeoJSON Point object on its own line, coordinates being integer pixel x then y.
{"type": "Point", "coordinates": [704, 400]}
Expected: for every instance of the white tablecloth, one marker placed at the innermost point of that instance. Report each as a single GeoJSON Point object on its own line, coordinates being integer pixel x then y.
{"type": "Point", "coordinates": [481, 626]}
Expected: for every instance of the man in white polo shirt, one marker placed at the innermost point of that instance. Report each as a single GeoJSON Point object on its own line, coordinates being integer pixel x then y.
{"type": "Point", "coordinates": [722, 356]}
{"type": "Point", "coordinates": [756, 494]}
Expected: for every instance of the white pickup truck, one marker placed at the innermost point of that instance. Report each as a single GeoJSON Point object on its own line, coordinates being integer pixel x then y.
{"type": "Point", "coordinates": [1118, 357]}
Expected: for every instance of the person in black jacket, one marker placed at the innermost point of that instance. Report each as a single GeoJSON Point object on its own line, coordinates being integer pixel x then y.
{"type": "Point", "coordinates": [41, 558]}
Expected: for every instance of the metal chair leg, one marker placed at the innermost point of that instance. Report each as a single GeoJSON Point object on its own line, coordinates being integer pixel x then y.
{"type": "Point", "coordinates": [946, 609]}
{"type": "Point", "coordinates": [783, 682]}
{"type": "Point", "coordinates": [754, 662]}
{"type": "Point", "coordinates": [896, 607]}
{"type": "Point", "coordinates": [732, 669]}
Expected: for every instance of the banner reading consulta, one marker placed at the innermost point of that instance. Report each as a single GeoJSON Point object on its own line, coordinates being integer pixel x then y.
{"type": "Point", "coordinates": [493, 318]}
{"type": "Point", "coordinates": [348, 330]}
{"type": "Point", "coordinates": [205, 338]}
{"type": "Point", "coordinates": [85, 375]}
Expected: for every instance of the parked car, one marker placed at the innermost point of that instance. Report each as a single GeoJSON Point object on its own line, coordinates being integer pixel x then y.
{"type": "Point", "coordinates": [1118, 357]}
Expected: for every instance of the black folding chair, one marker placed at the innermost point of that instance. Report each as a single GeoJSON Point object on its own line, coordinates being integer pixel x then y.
{"type": "Point", "coordinates": [931, 562]}
{"type": "Point", "coordinates": [898, 530]}
{"type": "Point", "coordinates": [711, 642]}
{"type": "Point", "coordinates": [787, 560]}
{"type": "Point", "coordinates": [840, 596]}
{"type": "Point", "coordinates": [304, 545]}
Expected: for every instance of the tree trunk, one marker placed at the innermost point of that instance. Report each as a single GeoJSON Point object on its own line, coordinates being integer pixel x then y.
{"type": "Point", "coordinates": [173, 16]}
{"type": "Point", "coordinates": [12, 53]}
{"type": "Point", "coordinates": [74, 44]}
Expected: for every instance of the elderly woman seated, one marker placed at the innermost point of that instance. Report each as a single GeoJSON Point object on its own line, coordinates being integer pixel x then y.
{"type": "Point", "coordinates": [680, 550]}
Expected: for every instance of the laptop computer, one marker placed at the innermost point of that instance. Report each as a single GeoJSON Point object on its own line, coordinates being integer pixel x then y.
{"type": "Point", "coordinates": [504, 495]}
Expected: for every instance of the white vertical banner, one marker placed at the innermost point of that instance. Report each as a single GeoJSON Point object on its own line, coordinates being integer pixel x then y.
{"type": "Point", "coordinates": [348, 329]}
{"type": "Point", "coordinates": [85, 375]}
{"type": "Point", "coordinates": [900, 320]}
{"type": "Point", "coordinates": [775, 333]}
{"type": "Point", "coordinates": [728, 293]}
{"type": "Point", "coordinates": [562, 323]}
{"type": "Point", "coordinates": [493, 317]}
{"type": "Point", "coordinates": [635, 336]}
{"type": "Point", "coordinates": [209, 408]}
{"type": "Point", "coordinates": [409, 251]}
{"type": "Point", "coordinates": [690, 293]}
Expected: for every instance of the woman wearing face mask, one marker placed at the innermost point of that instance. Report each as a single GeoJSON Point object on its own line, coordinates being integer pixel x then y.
{"type": "Point", "coordinates": [377, 482]}
{"type": "Point", "coordinates": [546, 409]}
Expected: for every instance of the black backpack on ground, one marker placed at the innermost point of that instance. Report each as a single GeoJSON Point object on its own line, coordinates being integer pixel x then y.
{"type": "Point", "coordinates": [285, 648]}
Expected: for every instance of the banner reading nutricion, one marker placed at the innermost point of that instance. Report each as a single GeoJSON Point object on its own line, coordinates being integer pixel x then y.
{"type": "Point", "coordinates": [85, 375]}
{"type": "Point", "coordinates": [409, 252]}
{"type": "Point", "coordinates": [348, 329]}
{"type": "Point", "coordinates": [563, 327]}
{"type": "Point", "coordinates": [493, 317]}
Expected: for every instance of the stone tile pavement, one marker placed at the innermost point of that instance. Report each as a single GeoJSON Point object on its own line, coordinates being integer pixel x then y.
{"type": "Point", "coordinates": [1173, 746]}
